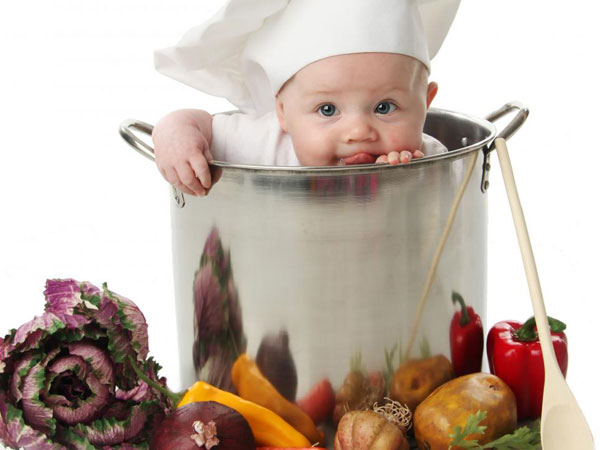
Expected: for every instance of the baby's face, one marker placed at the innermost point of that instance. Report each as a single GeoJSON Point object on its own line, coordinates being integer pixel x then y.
{"type": "Point", "coordinates": [349, 109]}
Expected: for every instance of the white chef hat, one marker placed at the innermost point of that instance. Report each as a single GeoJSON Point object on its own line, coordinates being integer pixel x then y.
{"type": "Point", "coordinates": [250, 48]}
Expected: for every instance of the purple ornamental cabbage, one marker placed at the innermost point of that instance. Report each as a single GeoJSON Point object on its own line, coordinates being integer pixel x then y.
{"type": "Point", "coordinates": [67, 378]}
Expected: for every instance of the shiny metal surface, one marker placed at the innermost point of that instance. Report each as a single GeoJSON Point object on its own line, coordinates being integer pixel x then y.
{"type": "Point", "coordinates": [522, 112]}
{"type": "Point", "coordinates": [335, 257]}
{"type": "Point", "coordinates": [126, 130]}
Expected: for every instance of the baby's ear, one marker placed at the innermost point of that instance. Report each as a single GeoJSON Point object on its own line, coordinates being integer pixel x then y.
{"type": "Point", "coordinates": [279, 112]}
{"type": "Point", "coordinates": [432, 89]}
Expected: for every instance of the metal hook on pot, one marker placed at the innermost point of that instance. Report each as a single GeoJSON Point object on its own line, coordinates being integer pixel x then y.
{"type": "Point", "coordinates": [510, 129]}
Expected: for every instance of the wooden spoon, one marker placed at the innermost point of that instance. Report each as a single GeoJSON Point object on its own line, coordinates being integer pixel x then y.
{"type": "Point", "coordinates": [563, 425]}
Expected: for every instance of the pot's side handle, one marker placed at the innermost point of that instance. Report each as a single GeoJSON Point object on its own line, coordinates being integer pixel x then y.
{"type": "Point", "coordinates": [514, 124]}
{"type": "Point", "coordinates": [126, 131]}
{"type": "Point", "coordinates": [510, 129]}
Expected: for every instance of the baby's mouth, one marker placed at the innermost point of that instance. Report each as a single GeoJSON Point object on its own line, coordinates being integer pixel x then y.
{"type": "Point", "coordinates": [358, 158]}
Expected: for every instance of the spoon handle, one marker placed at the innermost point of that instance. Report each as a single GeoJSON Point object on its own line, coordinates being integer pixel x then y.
{"type": "Point", "coordinates": [533, 281]}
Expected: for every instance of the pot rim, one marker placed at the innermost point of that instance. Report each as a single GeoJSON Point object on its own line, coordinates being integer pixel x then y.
{"type": "Point", "coordinates": [127, 127]}
{"type": "Point", "coordinates": [359, 168]}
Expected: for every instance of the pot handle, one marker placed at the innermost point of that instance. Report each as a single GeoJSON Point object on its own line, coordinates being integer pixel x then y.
{"type": "Point", "coordinates": [514, 124]}
{"type": "Point", "coordinates": [510, 129]}
{"type": "Point", "coordinates": [126, 131]}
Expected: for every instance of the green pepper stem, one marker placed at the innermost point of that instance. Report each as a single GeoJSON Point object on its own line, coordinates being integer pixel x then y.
{"type": "Point", "coordinates": [528, 332]}
{"type": "Point", "coordinates": [464, 317]}
{"type": "Point", "coordinates": [173, 397]}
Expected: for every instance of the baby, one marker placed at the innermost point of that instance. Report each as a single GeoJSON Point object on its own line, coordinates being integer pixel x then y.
{"type": "Point", "coordinates": [314, 89]}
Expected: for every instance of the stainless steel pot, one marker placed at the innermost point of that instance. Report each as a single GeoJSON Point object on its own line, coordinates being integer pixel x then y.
{"type": "Point", "coordinates": [324, 266]}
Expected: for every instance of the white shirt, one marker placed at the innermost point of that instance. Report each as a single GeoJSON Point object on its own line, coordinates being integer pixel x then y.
{"type": "Point", "coordinates": [259, 140]}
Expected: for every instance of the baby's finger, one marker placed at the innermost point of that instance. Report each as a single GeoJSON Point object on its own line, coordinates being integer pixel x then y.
{"type": "Point", "coordinates": [170, 175]}
{"type": "Point", "coordinates": [394, 158]}
{"type": "Point", "coordinates": [405, 156]}
{"type": "Point", "coordinates": [418, 154]}
{"type": "Point", "coordinates": [173, 179]}
{"type": "Point", "coordinates": [382, 159]}
{"type": "Point", "coordinates": [208, 155]}
{"type": "Point", "coordinates": [201, 170]}
{"type": "Point", "coordinates": [188, 178]}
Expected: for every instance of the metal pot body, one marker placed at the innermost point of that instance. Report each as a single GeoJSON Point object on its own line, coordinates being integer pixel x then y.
{"type": "Point", "coordinates": [325, 267]}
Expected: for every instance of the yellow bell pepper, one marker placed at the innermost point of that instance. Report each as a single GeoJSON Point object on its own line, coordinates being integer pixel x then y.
{"type": "Point", "coordinates": [269, 429]}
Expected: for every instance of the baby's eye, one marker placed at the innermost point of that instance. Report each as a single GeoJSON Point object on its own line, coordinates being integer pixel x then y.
{"type": "Point", "coordinates": [327, 110]}
{"type": "Point", "coordinates": [385, 108]}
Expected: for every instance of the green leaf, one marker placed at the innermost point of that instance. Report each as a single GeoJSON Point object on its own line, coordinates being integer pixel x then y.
{"type": "Point", "coordinates": [459, 436]}
{"type": "Point", "coordinates": [524, 438]}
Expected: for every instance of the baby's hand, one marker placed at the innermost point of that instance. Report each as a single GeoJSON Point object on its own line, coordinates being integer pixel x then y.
{"type": "Point", "coordinates": [405, 156]}
{"type": "Point", "coordinates": [181, 148]}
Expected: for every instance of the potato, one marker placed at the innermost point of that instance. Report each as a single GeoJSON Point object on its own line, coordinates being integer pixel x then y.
{"type": "Point", "coordinates": [450, 405]}
{"type": "Point", "coordinates": [415, 379]}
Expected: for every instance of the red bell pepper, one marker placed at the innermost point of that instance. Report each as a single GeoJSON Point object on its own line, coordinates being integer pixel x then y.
{"type": "Point", "coordinates": [466, 339]}
{"type": "Point", "coordinates": [515, 355]}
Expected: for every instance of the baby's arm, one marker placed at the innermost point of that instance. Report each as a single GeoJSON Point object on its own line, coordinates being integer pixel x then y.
{"type": "Point", "coordinates": [404, 156]}
{"type": "Point", "coordinates": [182, 149]}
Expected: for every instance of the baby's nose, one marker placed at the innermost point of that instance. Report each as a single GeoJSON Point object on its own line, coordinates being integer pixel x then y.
{"type": "Point", "coordinates": [359, 129]}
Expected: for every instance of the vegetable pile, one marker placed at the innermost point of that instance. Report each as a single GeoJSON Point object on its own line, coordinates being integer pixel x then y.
{"type": "Point", "coordinates": [79, 377]}
{"type": "Point", "coordinates": [67, 377]}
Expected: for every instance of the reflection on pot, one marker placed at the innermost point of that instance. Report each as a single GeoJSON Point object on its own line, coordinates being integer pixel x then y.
{"type": "Point", "coordinates": [218, 333]}
{"type": "Point", "coordinates": [359, 391]}
{"type": "Point", "coordinates": [275, 361]}
{"type": "Point", "coordinates": [466, 338]}
{"type": "Point", "coordinates": [415, 379]}
{"type": "Point", "coordinates": [359, 185]}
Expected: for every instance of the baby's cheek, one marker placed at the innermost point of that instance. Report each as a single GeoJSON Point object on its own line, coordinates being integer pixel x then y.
{"type": "Point", "coordinates": [306, 152]}
{"type": "Point", "coordinates": [406, 140]}
{"type": "Point", "coordinates": [310, 148]}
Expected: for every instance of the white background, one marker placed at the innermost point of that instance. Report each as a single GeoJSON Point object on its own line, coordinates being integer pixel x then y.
{"type": "Point", "coordinates": [77, 202]}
